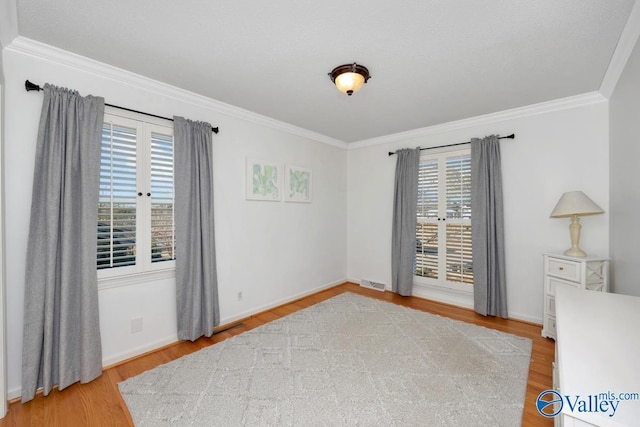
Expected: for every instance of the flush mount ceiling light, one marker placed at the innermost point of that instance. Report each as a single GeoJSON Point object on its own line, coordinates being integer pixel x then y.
{"type": "Point", "coordinates": [349, 78]}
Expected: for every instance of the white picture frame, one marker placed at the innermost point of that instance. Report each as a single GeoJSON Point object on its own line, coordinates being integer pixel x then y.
{"type": "Point", "coordinates": [298, 184]}
{"type": "Point", "coordinates": [263, 180]}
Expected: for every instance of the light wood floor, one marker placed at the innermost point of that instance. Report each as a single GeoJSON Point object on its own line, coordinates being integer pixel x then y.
{"type": "Point", "coordinates": [99, 403]}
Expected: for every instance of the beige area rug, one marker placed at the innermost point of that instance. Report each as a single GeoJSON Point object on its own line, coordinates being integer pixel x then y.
{"type": "Point", "coordinates": [347, 361]}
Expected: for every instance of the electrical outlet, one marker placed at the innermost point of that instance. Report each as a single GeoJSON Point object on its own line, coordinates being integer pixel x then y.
{"type": "Point", "coordinates": [136, 325]}
{"type": "Point", "coordinates": [240, 296]}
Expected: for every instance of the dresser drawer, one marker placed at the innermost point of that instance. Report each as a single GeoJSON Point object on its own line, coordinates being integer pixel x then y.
{"type": "Point", "coordinates": [565, 269]}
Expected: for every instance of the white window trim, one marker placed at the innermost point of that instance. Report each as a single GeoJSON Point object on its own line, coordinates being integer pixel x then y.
{"type": "Point", "coordinates": [458, 294]}
{"type": "Point", "coordinates": [135, 278]}
{"type": "Point", "coordinates": [132, 115]}
{"type": "Point", "coordinates": [131, 275]}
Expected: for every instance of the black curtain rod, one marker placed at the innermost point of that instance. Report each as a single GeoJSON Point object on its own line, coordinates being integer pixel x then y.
{"type": "Point", "coordinates": [512, 136]}
{"type": "Point", "coordinates": [32, 86]}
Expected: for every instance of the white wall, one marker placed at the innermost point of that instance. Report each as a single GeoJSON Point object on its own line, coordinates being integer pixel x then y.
{"type": "Point", "coordinates": [8, 31]}
{"type": "Point", "coordinates": [272, 252]}
{"type": "Point", "coordinates": [559, 146]}
{"type": "Point", "coordinates": [3, 353]}
{"type": "Point", "coordinates": [3, 322]}
{"type": "Point", "coordinates": [624, 188]}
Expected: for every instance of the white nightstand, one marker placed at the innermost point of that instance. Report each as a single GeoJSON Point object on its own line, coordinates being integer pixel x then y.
{"type": "Point", "coordinates": [591, 273]}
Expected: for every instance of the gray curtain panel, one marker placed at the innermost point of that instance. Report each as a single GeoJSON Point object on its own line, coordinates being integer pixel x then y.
{"type": "Point", "coordinates": [61, 341]}
{"type": "Point", "coordinates": [196, 273]}
{"type": "Point", "coordinates": [487, 224]}
{"type": "Point", "coordinates": [405, 205]}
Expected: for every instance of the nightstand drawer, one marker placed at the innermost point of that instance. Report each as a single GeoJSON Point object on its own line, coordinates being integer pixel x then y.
{"type": "Point", "coordinates": [550, 326]}
{"type": "Point", "coordinates": [565, 269]}
{"type": "Point", "coordinates": [550, 305]}
{"type": "Point", "coordinates": [552, 283]}
{"type": "Point", "coordinates": [589, 273]}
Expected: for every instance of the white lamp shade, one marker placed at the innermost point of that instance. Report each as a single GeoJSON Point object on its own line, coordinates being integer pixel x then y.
{"type": "Point", "coordinates": [575, 203]}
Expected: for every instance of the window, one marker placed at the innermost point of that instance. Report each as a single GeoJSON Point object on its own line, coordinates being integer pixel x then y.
{"type": "Point", "coordinates": [443, 244]}
{"type": "Point", "coordinates": [136, 228]}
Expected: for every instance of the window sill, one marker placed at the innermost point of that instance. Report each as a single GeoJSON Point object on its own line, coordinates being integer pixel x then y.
{"type": "Point", "coordinates": [135, 278]}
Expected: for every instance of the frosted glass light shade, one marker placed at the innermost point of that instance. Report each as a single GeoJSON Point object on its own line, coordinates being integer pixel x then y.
{"type": "Point", "coordinates": [575, 203]}
{"type": "Point", "coordinates": [349, 82]}
{"type": "Point", "coordinates": [349, 78]}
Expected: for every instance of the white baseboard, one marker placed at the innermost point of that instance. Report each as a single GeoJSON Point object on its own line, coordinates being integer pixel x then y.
{"type": "Point", "coordinates": [459, 299]}
{"type": "Point", "coordinates": [464, 300]}
{"type": "Point", "coordinates": [112, 360]}
{"type": "Point", "coordinates": [14, 394]}
{"type": "Point", "coordinates": [525, 318]}
{"type": "Point", "coordinates": [277, 303]}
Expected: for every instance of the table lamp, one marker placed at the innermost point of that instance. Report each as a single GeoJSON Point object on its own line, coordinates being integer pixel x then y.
{"type": "Point", "coordinates": [575, 204]}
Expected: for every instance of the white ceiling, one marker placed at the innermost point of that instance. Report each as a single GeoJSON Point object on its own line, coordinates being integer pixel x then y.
{"type": "Point", "coordinates": [431, 61]}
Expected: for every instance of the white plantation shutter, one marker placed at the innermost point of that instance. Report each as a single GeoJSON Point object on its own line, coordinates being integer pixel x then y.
{"type": "Point", "coordinates": [443, 246]}
{"type": "Point", "coordinates": [163, 239]}
{"type": "Point", "coordinates": [459, 255]}
{"type": "Point", "coordinates": [117, 203]}
{"type": "Point", "coordinates": [428, 189]}
{"type": "Point", "coordinates": [459, 187]}
{"type": "Point", "coordinates": [426, 264]}
{"type": "Point", "coordinates": [136, 227]}
{"type": "Point", "coordinates": [427, 250]}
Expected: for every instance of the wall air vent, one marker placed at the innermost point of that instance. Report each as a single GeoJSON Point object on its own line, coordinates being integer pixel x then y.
{"type": "Point", "coordinates": [372, 285]}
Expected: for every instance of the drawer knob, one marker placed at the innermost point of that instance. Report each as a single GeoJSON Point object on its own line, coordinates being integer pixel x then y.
{"type": "Point", "coordinates": [561, 268]}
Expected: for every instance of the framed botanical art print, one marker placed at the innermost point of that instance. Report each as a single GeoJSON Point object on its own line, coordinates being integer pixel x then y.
{"type": "Point", "coordinates": [297, 184]}
{"type": "Point", "coordinates": [263, 181]}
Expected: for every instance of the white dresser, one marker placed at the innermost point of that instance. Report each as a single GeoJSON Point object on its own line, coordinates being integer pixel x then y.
{"type": "Point", "coordinates": [591, 273]}
{"type": "Point", "coordinates": [597, 358]}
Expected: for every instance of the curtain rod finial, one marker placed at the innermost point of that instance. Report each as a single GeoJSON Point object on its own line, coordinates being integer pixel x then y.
{"type": "Point", "coordinates": [30, 86]}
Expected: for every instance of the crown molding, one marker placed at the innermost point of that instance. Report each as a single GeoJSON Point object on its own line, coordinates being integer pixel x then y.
{"type": "Point", "coordinates": [46, 52]}
{"type": "Point", "coordinates": [49, 53]}
{"type": "Point", "coordinates": [514, 113]}
{"type": "Point", "coordinates": [624, 49]}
